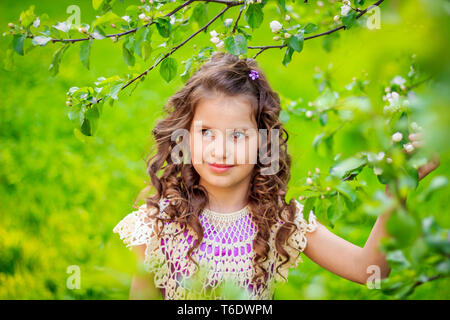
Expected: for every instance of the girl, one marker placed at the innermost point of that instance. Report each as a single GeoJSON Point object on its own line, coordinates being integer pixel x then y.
{"type": "Point", "coordinates": [226, 216]}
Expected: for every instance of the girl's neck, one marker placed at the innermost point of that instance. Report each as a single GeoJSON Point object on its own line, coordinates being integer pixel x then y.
{"type": "Point", "coordinates": [226, 200]}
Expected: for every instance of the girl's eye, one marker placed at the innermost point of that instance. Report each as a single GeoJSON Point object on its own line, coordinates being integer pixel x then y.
{"type": "Point", "coordinates": [203, 131]}
{"type": "Point", "coordinates": [239, 134]}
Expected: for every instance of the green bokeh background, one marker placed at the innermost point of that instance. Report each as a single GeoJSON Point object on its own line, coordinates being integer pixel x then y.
{"type": "Point", "coordinates": [60, 198]}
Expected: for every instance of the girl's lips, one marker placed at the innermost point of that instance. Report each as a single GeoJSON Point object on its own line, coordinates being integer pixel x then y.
{"type": "Point", "coordinates": [219, 168]}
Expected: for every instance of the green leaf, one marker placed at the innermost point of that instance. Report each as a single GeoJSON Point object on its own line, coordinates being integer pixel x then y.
{"type": "Point", "coordinates": [254, 15]}
{"type": "Point", "coordinates": [92, 113]}
{"type": "Point", "coordinates": [40, 40]}
{"type": "Point", "coordinates": [310, 27]}
{"type": "Point", "coordinates": [397, 259]}
{"type": "Point", "coordinates": [403, 227]}
{"type": "Point", "coordinates": [309, 204]}
{"type": "Point", "coordinates": [85, 52]}
{"type": "Point", "coordinates": [143, 39]}
{"type": "Point", "coordinates": [187, 66]}
{"type": "Point", "coordinates": [164, 27]}
{"type": "Point", "coordinates": [57, 56]}
{"type": "Point", "coordinates": [321, 211]}
{"type": "Point", "coordinates": [27, 17]}
{"type": "Point", "coordinates": [86, 127]}
{"type": "Point", "coordinates": [115, 90]}
{"type": "Point", "coordinates": [347, 190]}
{"type": "Point", "coordinates": [349, 19]}
{"type": "Point", "coordinates": [128, 51]}
{"type": "Point", "coordinates": [348, 167]}
{"type": "Point", "coordinates": [17, 43]}
{"type": "Point", "coordinates": [435, 184]}
{"type": "Point", "coordinates": [282, 5]}
{"type": "Point", "coordinates": [236, 45]}
{"type": "Point", "coordinates": [296, 42]}
{"type": "Point", "coordinates": [200, 14]}
{"type": "Point", "coordinates": [336, 210]}
{"type": "Point", "coordinates": [168, 69]}
{"type": "Point", "coordinates": [287, 56]}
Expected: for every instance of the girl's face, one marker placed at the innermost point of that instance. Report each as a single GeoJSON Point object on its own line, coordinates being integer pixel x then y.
{"type": "Point", "coordinates": [224, 132]}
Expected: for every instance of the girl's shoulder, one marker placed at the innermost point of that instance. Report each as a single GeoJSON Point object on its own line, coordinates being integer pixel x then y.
{"type": "Point", "coordinates": [138, 226]}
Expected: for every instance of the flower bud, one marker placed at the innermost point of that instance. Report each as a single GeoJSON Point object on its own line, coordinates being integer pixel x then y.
{"type": "Point", "coordinates": [328, 189]}
{"type": "Point", "coordinates": [11, 25]}
{"type": "Point", "coordinates": [275, 26]}
{"type": "Point", "coordinates": [276, 38]}
{"type": "Point", "coordinates": [322, 197]}
{"type": "Point", "coordinates": [287, 35]}
{"type": "Point", "coordinates": [68, 103]}
{"type": "Point", "coordinates": [301, 198]}
{"type": "Point", "coordinates": [113, 25]}
{"type": "Point", "coordinates": [396, 137]}
{"type": "Point", "coordinates": [408, 147]}
{"type": "Point", "coordinates": [317, 170]}
{"type": "Point", "coordinates": [309, 181]}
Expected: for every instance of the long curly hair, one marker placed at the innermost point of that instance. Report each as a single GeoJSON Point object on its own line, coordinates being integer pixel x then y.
{"type": "Point", "coordinates": [179, 182]}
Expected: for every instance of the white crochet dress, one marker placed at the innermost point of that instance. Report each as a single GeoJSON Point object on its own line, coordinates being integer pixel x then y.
{"type": "Point", "coordinates": [225, 254]}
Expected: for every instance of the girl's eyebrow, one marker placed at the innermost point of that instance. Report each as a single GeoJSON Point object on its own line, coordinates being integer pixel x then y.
{"type": "Point", "coordinates": [238, 127]}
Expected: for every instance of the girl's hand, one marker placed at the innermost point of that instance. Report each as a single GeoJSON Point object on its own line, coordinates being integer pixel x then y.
{"type": "Point", "coordinates": [416, 142]}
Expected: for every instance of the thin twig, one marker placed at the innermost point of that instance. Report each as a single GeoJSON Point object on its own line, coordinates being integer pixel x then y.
{"type": "Point", "coordinates": [263, 48]}
{"type": "Point", "coordinates": [118, 35]}
{"type": "Point", "coordinates": [177, 47]}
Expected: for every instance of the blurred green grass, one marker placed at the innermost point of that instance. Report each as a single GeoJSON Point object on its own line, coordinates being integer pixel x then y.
{"type": "Point", "coordinates": [60, 198]}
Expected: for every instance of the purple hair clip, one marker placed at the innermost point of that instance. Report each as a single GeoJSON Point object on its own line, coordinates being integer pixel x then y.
{"type": "Point", "coordinates": [253, 74]}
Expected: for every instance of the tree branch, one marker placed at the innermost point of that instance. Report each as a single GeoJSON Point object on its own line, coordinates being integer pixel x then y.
{"type": "Point", "coordinates": [118, 35]}
{"type": "Point", "coordinates": [229, 5]}
{"type": "Point", "coordinates": [263, 48]}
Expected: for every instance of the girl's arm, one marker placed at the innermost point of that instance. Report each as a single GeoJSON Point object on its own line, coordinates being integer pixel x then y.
{"type": "Point", "coordinates": [343, 257]}
{"type": "Point", "coordinates": [348, 260]}
{"type": "Point", "coordinates": [142, 284]}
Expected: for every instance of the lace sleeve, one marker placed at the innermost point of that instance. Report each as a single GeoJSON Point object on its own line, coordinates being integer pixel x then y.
{"type": "Point", "coordinates": [138, 227]}
{"type": "Point", "coordinates": [298, 241]}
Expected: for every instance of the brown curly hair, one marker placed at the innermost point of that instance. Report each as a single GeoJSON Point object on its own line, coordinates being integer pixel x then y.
{"type": "Point", "coordinates": [227, 74]}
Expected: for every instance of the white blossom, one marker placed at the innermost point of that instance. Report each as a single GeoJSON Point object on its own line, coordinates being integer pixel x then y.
{"type": "Point", "coordinates": [275, 26]}
{"type": "Point", "coordinates": [36, 22]}
{"type": "Point", "coordinates": [398, 80]}
{"type": "Point", "coordinates": [336, 18]}
{"type": "Point", "coordinates": [213, 33]}
{"type": "Point", "coordinates": [142, 16]}
{"type": "Point", "coordinates": [309, 181]}
{"type": "Point", "coordinates": [396, 137]}
{"type": "Point", "coordinates": [380, 156]}
{"type": "Point", "coordinates": [345, 9]}
{"type": "Point", "coordinates": [215, 40]}
{"type": "Point", "coordinates": [309, 114]}
{"type": "Point", "coordinates": [408, 147]}
{"type": "Point", "coordinates": [220, 45]}
{"type": "Point", "coordinates": [228, 22]}
{"type": "Point", "coordinates": [126, 18]}
{"type": "Point", "coordinates": [377, 171]}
